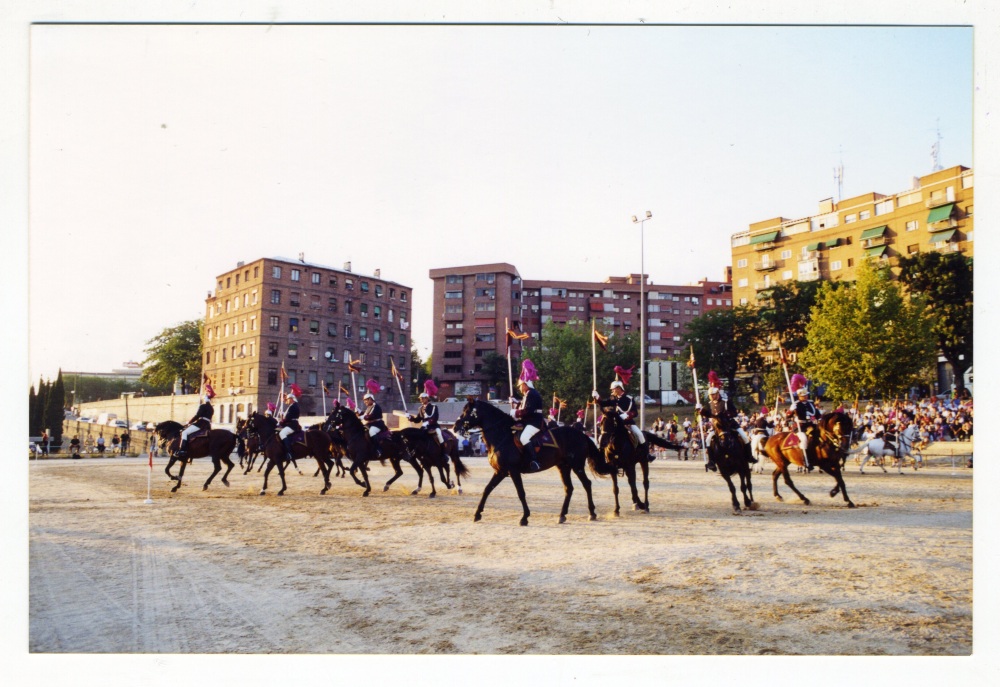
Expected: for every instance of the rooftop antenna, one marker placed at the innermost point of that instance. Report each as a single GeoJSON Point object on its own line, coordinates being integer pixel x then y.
{"type": "Point", "coordinates": [936, 150]}
{"type": "Point", "coordinates": [838, 176]}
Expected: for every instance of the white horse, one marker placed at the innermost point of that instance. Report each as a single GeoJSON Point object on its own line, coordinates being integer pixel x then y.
{"type": "Point", "coordinates": [906, 445]}
{"type": "Point", "coordinates": [758, 438]}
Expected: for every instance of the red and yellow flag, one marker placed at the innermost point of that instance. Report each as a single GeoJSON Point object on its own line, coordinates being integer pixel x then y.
{"type": "Point", "coordinates": [511, 335]}
{"type": "Point", "coordinates": [395, 372]}
{"type": "Point", "coordinates": [691, 359]}
{"type": "Point", "coordinates": [354, 365]}
{"type": "Point", "coordinates": [284, 375]}
{"type": "Point", "coordinates": [601, 340]}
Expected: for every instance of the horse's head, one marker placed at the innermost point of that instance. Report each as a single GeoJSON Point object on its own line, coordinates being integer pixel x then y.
{"type": "Point", "coordinates": [837, 428]}
{"type": "Point", "coordinates": [469, 417]}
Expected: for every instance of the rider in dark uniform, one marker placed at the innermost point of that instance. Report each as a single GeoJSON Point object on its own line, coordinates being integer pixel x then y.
{"type": "Point", "coordinates": [808, 415]}
{"type": "Point", "coordinates": [289, 424]}
{"type": "Point", "coordinates": [371, 416]}
{"type": "Point", "coordinates": [427, 416]}
{"type": "Point", "coordinates": [624, 405]}
{"type": "Point", "coordinates": [202, 420]}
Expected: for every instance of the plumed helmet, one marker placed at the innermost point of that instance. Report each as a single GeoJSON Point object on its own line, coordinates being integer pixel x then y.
{"type": "Point", "coordinates": [430, 388]}
{"type": "Point", "coordinates": [624, 374]}
{"type": "Point", "coordinates": [424, 394]}
{"type": "Point", "coordinates": [295, 391]}
{"type": "Point", "coordinates": [271, 407]}
{"type": "Point", "coordinates": [764, 410]}
{"type": "Point", "coordinates": [579, 413]}
{"type": "Point", "coordinates": [713, 391]}
{"type": "Point", "coordinates": [802, 392]}
{"type": "Point", "coordinates": [797, 382]}
{"type": "Point", "coordinates": [368, 396]}
{"type": "Point", "coordinates": [268, 413]}
{"type": "Point", "coordinates": [528, 373]}
{"type": "Point", "coordinates": [373, 387]}
{"type": "Point", "coordinates": [617, 384]}
{"type": "Point", "coordinates": [713, 381]}
{"type": "Point", "coordinates": [527, 382]}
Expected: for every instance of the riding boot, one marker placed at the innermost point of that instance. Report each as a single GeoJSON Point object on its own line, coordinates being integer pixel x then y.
{"type": "Point", "coordinates": [529, 452]}
{"type": "Point", "coordinates": [181, 451]}
{"type": "Point", "coordinates": [749, 451]}
{"type": "Point", "coordinates": [287, 443]}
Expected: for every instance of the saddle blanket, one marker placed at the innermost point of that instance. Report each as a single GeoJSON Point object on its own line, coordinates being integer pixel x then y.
{"type": "Point", "coordinates": [791, 441]}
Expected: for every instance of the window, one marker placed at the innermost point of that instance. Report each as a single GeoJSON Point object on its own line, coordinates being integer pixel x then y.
{"type": "Point", "coordinates": [835, 265]}
{"type": "Point", "coordinates": [314, 326]}
{"type": "Point", "coordinates": [272, 348]}
{"type": "Point", "coordinates": [486, 293]}
{"type": "Point", "coordinates": [314, 303]}
{"type": "Point", "coordinates": [486, 307]}
{"type": "Point", "coordinates": [912, 225]}
{"type": "Point", "coordinates": [314, 352]}
{"type": "Point", "coordinates": [363, 334]}
{"type": "Point", "coordinates": [331, 304]}
{"type": "Point", "coordinates": [253, 295]}
{"type": "Point", "coordinates": [402, 339]}
{"type": "Point", "coordinates": [228, 281]}
{"type": "Point", "coordinates": [313, 379]}
{"type": "Point", "coordinates": [349, 284]}
{"type": "Point", "coordinates": [293, 299]}
{"type": "Point", "coordinates": [378, 290]}
{"type": "Point", "coordinates": [786, 254]}
{"type": "Point", "coordinates": [390, 314]}
{"type": "Point", "coordinates": [276, 272]}
{"type": "Point", "coordinates": [864, 214]}
{"type": "Point", "coordinates": [364, 287]}
{"type": "Point", "coordinates": [256, 271]}
{"type": "Point", "coordinates": [274, 323]}
{"type": "Point", "coordinates": [402, 295]}
{"type": "Point", "coordinates": [293, 324]}
{"type": "Point", "coordinates": [364, 310]}
{"type": "Point", "coordinates": [378, 312]}
{"type": "Point", "coordinates": [333, 282]}
{"type": "Point", "coordinates": [296, 275]}
{"type": "Point", "coordinates": [275, 297]}
{"type": "Point", "coordinates": [488, 277]}
{"type": "Point", "coordinates": [787, 274]}
{"type": "Point", "coordinates": [452, 294]}
{"type": "Point", "coordinates": [376, 336]}
{"type": "Point", "coordinates": [347, 331]}
{"type": "Point", "coordinates": [743, 301]}
{"type": "Point", "coordinates": [883, 208]}
{"type": "Point", "coordinates": [331, 329]}
{"type": "Point", "coordinates": [349, 307]}
{"type": "Point", "coordinates": [390, 338]}
{"type": "Point", "coordinates": [741, 263]}
{"type": "Point", "coordinates": [911, 249]}
{"type": "Point", "coordinates": [850, 262]}
{"type": "Point", "coordinates": [293, 350]}
{"type": "Point", "coordinates": [392, 292]}
{"type": "Point", "coordinates": [272, 377]}
{"type": "Point", "coordinates": [452, 369]}
{"type": "Point", "coordinates": [453, 279]}
{"type": "Point", "coordinates": [742, 283]}
{"type": "Point", "coordinates": [316, 278]}
{"type": "Point", "coordinates": [453, 309]}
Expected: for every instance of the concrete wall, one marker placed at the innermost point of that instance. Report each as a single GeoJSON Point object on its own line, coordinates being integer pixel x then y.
{"type": "Point", "coordinates": [146, 409]}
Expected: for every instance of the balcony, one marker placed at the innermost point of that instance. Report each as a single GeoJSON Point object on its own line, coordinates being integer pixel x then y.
{"type": "Point", "coordinates": [765, 266]}
{"type": "Point", "coordinates": [937, 202]}
{"type": "Point", "coordinates": [763, 285]}
{"type": "Point", "coordinates": [875, 241]}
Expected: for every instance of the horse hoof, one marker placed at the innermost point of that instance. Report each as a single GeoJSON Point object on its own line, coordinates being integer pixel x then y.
{"type": "Point", "coordinates": [833, 492]}
{"type": "Point", "coordinates": [176, 488]}
{"type": "Point", "coordinates": [281, 493]}
{"type": "Point", "coordinates": [805, 501]}
{"type": "Point", "coordinates": [562, 519]}
{"type": "Point", "coordinates": [262, 492]}
{"type": "Point", "coordinates": [365, 494]}
{"type": "Point", "coordinates": [524, 522]}
{"type": "Point", "coordinates": [617, 514]}
{"type": "Point", "coordinates": [385, 488]}
{"type": "Point", "coordinates": [205, 488]}
{"type": "Point", "coordinates": [593, 516]}
{"type": "Point", "coordinates": [225, 482]}
{"type": "Point", "coordinates": [778, 498]}
{"type": "Point", "coordinates": [477, 517]}
{"type": "Point", "coordinates": [430, 496]}
{"type": "Point", "coordinates": [850, 504]}
{"type": "Point", "coordinates": [414, 492]}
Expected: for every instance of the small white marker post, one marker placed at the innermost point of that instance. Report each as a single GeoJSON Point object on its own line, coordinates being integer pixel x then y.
{"type": "Point", "coordinates": [149, 479]}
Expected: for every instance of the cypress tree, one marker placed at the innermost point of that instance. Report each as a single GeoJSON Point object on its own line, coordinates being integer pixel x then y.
{"type": "Point", "coordinates": [32, 405]}
{"type": "Point", "coordinates": [54, 409]}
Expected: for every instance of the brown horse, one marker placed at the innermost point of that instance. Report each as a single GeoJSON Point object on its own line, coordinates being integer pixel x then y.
{"type": "Point", "coordinates": [832, 438]}
{"type": "Point", "coordinates": [217, 444]}
{"type": "Point", "coordinates": [616, 442]}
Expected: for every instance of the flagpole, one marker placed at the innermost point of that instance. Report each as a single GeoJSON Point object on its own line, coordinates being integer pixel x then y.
{"type": "Point", "coordinates": [697, 400]}
{"type": "Point", "coordinates": [354, 387]}
{"type": "Point", "coordinates": [281, 392]}
{"type": "Point", "coordinates": [323, 387]}
{"type": "Point", "coordinates": [791, 398]}
{"type": "Point", "coordinates": [149, 477]}
{"type": "Point", "coordinates": [510, 370]}
{"type": "Point", "coordinates": [399, 385]}
{"type": "Point", "coordinates": [593, 355]}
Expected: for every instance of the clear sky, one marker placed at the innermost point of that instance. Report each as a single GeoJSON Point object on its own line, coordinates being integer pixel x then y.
{"type": "Point", "coordinates": [160, 156]}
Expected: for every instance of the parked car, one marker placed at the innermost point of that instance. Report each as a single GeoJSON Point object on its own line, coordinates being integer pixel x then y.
{"type": "Point", "coordinates": [138, 425]}
{"type": "Point", "coordinates": [118, 423]}
{"type": "Point", "coordinates": [651, 401]}
{"type": "Point", "coordinates": [85, 419]}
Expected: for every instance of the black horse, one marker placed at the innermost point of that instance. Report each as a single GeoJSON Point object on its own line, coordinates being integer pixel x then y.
{"type": "Point", "coordinates": [623, 455]}
{"type": "Point", "coordinates": [727, 450]}
{"type": "Point", "coordinates": [572, 450]}
{"type": "Point", "coordinates": [433, 455]}
{"type": "Point", "coordinates": [315, 443]}
{"type": "Point", "coordinates": [216, 443]}
{"type": "Point", "coordinates": [361, 448]}
{"type": "Point", "coordinates": [825, 452]}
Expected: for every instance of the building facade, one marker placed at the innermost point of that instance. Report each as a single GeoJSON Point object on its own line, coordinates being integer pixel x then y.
{"type": "Point", "coordinates": [475, 305]}
{"type": "Point", "coordinates": [310, 320]}
{"type": "Point", "coordinates": [935, 214]}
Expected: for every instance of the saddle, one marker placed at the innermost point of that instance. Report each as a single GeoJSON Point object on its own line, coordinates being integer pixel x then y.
{"type": "Point", "coordinates": [298, 436]}
{"type": "Point", "coordinates": [199, 434]}
{"type": "Point", "coordinates": [542, 439]}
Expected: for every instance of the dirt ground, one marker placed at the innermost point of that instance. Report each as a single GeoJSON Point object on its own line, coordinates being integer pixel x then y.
{"type": "Point", "coordinates": [228, 571]}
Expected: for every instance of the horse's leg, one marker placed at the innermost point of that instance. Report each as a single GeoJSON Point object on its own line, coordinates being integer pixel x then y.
{"type": "Point", "coordinates": [324, 468]}
{"type": "Point", "coordinates": [515, 476]}
{"type": "Point", "coordinates": [355, 466]}
{"type": "Point", "coordinates": [841, 487]}
{"type": "Point", "coordinates": [614, 488]}
{"type": "Point", "coordinates": [568, 489]}
{"type": "Point", "coordinates": [270, 466]}
{"type": "Point", "coordinates": [630, 476]}
{"type": "Point", "coordinates": [746, 486]}
{"type": "Point", "coordinates": [585, 481]}
{"type": "Point", "coordinates": [497, 478]}
{"type": "Point", "coordinates": [281, 473]}
{"type": "Point", "coordinates": [732, 491]}
{"type": "Point", "coordinates": [180, 474]}
{"type": "Point", "coordinates": [415, 464]}
{"type": "Point", "coordinates": [788, 481]}
{"type": "Point", "coordinates": [217, 467]}
{"type": "Point", "coordinates": [230, 466]}
{"type": "Point", "coordinates": [167, 469]}
{"type": "Point", "coordinates": [394, 462]}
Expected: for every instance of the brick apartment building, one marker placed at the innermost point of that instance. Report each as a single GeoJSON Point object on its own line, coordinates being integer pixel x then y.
{"type": "Point", "coordinates": [474, 304]}
{"type": "Point", "coordinates": [309, 317]}
{"type": "Point", "coordinates": [935, 214]}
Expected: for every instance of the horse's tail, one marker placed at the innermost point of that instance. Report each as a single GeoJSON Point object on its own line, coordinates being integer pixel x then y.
{"type": "Point", "coordinates": [599, 464]}
{"type": "Point", "coordinates": [661, 442]}
{"type": "Point", "coordinates": [241, 446]}
{"type": "Point", "coordinates": [460, 469]}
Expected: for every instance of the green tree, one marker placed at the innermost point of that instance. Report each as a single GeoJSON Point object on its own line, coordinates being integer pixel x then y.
{"type": "Point", "coordinates": [34, 414]}
{"type": "Point", "coordinates": [869, 338]}
{"type": "Point", "coordinates": [55, 405]}
{"type": "Point", "coordinates": [785, 313]}
{"type": "Point", "coordinates": [945, 280]}
{"type": "Point", "coordinates": [174, 353]}
{"type": "Point", "coordinates": [494, 372]}
{"type": "Point", "coordinates": [726, 341]}
{"type": "Point", "coordinates": [563, 357]}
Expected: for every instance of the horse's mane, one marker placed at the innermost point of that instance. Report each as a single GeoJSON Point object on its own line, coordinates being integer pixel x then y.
{"type": "Point", "coordinates": [490, 413]}
{"type": "Point", "coordinates": [267, 424]}
{"type": "Point", "coordinates": [168, 427]}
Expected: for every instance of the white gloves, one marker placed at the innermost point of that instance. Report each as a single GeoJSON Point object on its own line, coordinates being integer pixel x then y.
{"type": "Point", "coordinates": [697, 406]}
{"type": "Point", "coordinates": [623, 416]}
{"type": "Point", "coordinates": [595, 394]}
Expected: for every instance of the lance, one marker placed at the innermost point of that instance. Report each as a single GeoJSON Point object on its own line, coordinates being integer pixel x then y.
{"type": "Point", "coordinates": [399, 385]}
{"type": "Point", "coordinates": [510, 371]}
{"type": "Point", "coordinates": [593, 355]}
{"type": "Point", "coordinates": [791, 397]}
{"type": "Point", "coordinates": [697, 400]}
{"type": "Point", "coordinates": [323, 388]}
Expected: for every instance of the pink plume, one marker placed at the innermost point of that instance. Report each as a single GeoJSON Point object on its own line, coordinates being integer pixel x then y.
{"type": "Point", "coordinates": [579, 413]}
{"type": "Point", "coordinates": [271, 407]}
{"type": "Point", "coordinates": [350, 403]}
{"type": "Point", "coordinates": [624, 374]}
{"type": "Point", "coordinates": [713, 379]}
{"type": "Point", "coordinates": [372, 386]}
{"type": "Point", "coordinates": [528, 371]}
{"type": "Point", "coordinates": [797, 382]}
{"type": "Point", "coordinates": [431, 388]}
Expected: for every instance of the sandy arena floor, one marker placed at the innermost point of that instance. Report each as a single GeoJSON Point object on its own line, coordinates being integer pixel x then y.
{"type": "Point", "coordinates": [228, 571]}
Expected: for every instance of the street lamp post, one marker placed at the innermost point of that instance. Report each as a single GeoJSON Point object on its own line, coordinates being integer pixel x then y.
{"type": "Point", "coordinates": [642, 316]}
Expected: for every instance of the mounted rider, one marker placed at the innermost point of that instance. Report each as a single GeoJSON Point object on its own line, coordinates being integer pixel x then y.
{"type": "Point", "coordinates": [289, 424]}
{"type": "Point", "coordinates": [371, 416]}
{"type": "Point", "coordinates": [529, 410]}
{"type": "Point", "coordinates": [202, 420]}
{"type": "Point", "coordinates": [428, 414]}
{"type": "Point", "coordinates": [723, 410]}
{"type": "Point", "coordinates": [623, 403]}
{"type": "Point", "coordinates": [805, 411]}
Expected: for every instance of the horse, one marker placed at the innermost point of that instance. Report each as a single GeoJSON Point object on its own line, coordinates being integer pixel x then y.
{"type": "Point", "coordinates": [361, 449]}
{"type": "Point", "coordinates": [217, 443]}
{"type": "Point", "coordinates": [833, 440]}
{"type": "Point", "coordinates": [419, 441]}
{"type": "Point", "coordinates": [569, 450]}
{"type": "Point", "coordinates": [727, 450]}
{"type": "Point", "coordinates": [314, 443]}
{"type": "Point", "coordinates": [616, 442]}
{"type": "Point", "coordinates": [906, 445]}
